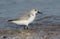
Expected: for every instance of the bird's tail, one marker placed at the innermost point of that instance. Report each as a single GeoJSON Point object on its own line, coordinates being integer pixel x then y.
{"type": "Point", "coordinates": [9, 20]}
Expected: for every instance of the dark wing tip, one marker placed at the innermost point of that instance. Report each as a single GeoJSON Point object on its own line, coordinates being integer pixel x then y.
{"type": "Point", "coordinates": [10, 20]}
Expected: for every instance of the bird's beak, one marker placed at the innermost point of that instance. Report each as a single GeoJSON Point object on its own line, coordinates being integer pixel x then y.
{"type": "Point", "coordinates": [39, 12]}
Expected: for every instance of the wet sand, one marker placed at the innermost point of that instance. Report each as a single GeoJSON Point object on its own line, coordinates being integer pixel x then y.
{"type": "Point", "coordinates": [29, 34]}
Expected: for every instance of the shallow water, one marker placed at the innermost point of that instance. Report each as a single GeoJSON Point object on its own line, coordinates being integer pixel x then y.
{"type": "Point", "coordinates": [48, 21]}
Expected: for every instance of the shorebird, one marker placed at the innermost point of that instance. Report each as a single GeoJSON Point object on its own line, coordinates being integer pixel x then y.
{"type": "Point", "coordinates": [26, 19]}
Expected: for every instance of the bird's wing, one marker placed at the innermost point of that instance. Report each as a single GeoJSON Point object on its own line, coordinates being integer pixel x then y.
{"type": "Point", "coordinates": [23, 17]}
{"type": "Point", "coordinates": [12, 20]}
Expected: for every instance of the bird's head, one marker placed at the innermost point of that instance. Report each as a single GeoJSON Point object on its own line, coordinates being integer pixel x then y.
{"type": "Point", "coordinates": [34, 11]}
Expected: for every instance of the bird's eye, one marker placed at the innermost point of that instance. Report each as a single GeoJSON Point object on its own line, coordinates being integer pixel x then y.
{"type": "Point", "coordinates": [35, 10]}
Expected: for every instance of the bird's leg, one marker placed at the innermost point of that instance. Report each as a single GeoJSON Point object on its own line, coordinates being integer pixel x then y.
{"type": "Point", "coordinates": [25, 27]}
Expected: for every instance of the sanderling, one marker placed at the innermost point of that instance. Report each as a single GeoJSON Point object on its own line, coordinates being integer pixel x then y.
{"type": "Point", "coordinates": [26, 19]}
